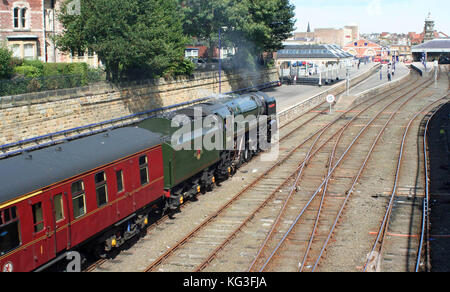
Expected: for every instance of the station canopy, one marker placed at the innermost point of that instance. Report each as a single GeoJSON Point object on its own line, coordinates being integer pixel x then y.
{"type": "Point", "coordinates": [433, 46]}
{"type": "Point", "coordinates": [313, 51]}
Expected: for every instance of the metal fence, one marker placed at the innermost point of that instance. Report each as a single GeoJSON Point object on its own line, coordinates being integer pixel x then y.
{"type": "Point", "coordinates": [38, 84]}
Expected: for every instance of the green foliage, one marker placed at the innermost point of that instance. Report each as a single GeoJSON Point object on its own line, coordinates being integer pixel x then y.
{"type": "Point", "coordinates": [27, 71]}
{"type": "Point", "coordinates": [33, 76]}
{"type": "Point", "coordinates": [181, 67]}
{"type": "Point", "coordinates": [6, 63]}
{"type": "Point", "coordinates": [253, 27]}
{"type": "Point", "coordinates": [36, 64]}
{"type": "Point", "coordinates": [137, 38]}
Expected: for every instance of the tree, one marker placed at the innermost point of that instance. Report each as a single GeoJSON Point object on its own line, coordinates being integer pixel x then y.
{"type": "Point", "coordinates": [133, 38]}
{"type": "Point", "coordinates": [253, 26]}
{"type": "Point", "coordinates": [203, 19]}
{"type": "Point", "coordinates": [6, 63]}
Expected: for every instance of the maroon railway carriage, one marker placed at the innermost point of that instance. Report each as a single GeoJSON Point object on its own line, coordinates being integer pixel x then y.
{"type": "Point", "coordinates": [94, 192]}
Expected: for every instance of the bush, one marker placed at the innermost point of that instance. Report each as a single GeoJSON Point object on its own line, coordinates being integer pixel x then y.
{"type": "Point", "coordinates": [38, 65]}
{"type": "Point", "coordinates": [54, 69]}
{"type": "Point", "coordinates": [6, 63]}
{"type": "Point", "coordinates": [27, 71]}
{"type": "Point", "coordinates": [183, 67]}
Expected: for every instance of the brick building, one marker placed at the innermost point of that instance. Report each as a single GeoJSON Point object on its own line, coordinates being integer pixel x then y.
{"type": "Point", "coordinates": [27, 28]}
{"type": "Point", "coordinates": [363, 48]}
{"type": "Point", "coordinates": [337, 36]}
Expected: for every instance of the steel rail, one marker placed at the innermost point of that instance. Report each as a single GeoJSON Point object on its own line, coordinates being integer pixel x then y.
{"type": "Point", "coordinates": [285, 136]}
{"type": "Point", "coordinates": [316, 223]}
{"type": "Point", "coordinates": [424, 234]}
{"type": "Point", "coordinates": [302, 264]}
{"type": "Point", "coordinates": [386, 219]}
{"type": "Point", "coordinates": [324, 181]}
{"type": "Point", "coordinates": [223, 208]}
{"type": "Point", "coordinates": [288, 198]}
{"type": "Point", "coordinates": [300, 169]}
{"type": "Point", "coordinates": [349, 193]}
{"type": "Point", "coordinates": [166, 216]}
{"type": "Point", "coordinates": [425, 211]}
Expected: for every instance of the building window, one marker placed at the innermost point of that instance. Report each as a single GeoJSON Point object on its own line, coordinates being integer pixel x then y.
{"type": "Point", "coordinates": [78, 199]}
{"type": "Point", "coordinates": [23, 50]}
{"type": "Point", "coordinates": [101, 189]}
{"type": "Point", "coordinates": [20, 16]}
{"type": "Point", "coordinates": [16, 17]}
{"type": "Point", "coordinates": [38, 217]}
{"type": "Point", "coordinates": [143, 169]}
{"type": "Point", "coordinates": [28, 52]}
{"type": "Point", "coordinates": [17, 52]}
{"type": "Point", "coordinates": [23, 17]}
{"type": "Point", "coordinates": [49, 17]}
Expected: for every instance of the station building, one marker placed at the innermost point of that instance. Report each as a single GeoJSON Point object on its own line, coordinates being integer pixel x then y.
{"type": "Point", "coordinates": [310, 56]}
{"type": "Point", "coordinates": [437, 49]}
{"type": "Point", "coordinates": [363, 49]}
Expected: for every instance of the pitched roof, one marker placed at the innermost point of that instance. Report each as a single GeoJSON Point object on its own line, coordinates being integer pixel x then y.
{"type": "Point", "coordinates": [312, 51]}
{"type": "Point", "coordinates": [436, 45]}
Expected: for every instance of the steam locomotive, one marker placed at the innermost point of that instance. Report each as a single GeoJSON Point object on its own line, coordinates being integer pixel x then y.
{"type": "Point", "coordinates": [96, 193]}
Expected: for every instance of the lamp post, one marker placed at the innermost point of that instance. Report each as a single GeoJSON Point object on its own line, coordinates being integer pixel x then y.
{"type": "Point", "coordinates": [220, 63]}
{"type": "Point", "coordinates": [220, 56]}
{"type": "Point", "coordinates": [348, 78]}
{"type": "Point", "coordinates": [320, 75]}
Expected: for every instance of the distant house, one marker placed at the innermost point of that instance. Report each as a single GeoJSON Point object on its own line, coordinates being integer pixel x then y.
{"type": "Point", "coordinates": [196, 52]}
{"type": "Point", "coordinates": [28, 27]}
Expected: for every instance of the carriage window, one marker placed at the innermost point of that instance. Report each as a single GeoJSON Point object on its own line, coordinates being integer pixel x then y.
{"type": "Point", "coordinates": [78, 199]}
{"type": "Point", "coordinates": [143, 169]}
{"type": "Point", "coordinates": [100, 187]}
{"type": "Point", "coordinates": [58, 205]}
{"type": "Point", "coordinates": [9, 230]}
{"type": "Point", "coordinates": [119, 177]}
{"type": "Point", "coordinates": [38, 217]}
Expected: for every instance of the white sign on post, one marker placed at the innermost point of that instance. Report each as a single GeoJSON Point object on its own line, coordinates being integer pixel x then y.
{"type": "Point", "coordinates": [331, 99]}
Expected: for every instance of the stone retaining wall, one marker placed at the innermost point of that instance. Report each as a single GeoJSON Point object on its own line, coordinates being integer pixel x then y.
{"type": "Point", "coordinates": [30, 115]}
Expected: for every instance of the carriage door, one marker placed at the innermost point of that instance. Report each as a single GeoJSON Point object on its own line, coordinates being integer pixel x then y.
{"type": "Point", "coordinates": [42, 230]}
{"type": "Point", "coordinates": [60, 219]}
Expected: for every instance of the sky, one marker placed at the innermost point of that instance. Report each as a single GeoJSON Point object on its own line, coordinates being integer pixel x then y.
{"type": "Point", "coordinates": [400, 16]}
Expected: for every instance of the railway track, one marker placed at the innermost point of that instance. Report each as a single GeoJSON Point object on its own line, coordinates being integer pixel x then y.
{"type": "Point", "coordinates": [379, 245]}
{"type": "Point", "coordinates": [397, 240]}
{"type": "Point", "coordinates": [392, 240]}
{"type": "Point", "coordinates": [303, 236]}
{"type": "Point", "coordinates": [277, 179]}
{"type": "Point", "coordinates": [286, 131]}
{"type": "Point", "coordinates": [235, 214]}
{"type": "Point", "coordinates": [423, 262]}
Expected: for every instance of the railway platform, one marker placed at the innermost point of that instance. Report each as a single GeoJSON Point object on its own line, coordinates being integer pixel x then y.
{"type": "Point", "coordinates": [290, 95]}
